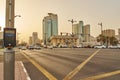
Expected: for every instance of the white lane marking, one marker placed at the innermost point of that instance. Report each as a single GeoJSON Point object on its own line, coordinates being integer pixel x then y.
{"type": "Point", "coordinates": [28, 78]}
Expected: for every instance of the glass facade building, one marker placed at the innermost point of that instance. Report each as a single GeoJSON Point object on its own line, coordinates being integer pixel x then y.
{"type": "Point", "coordinates": [50, 27]}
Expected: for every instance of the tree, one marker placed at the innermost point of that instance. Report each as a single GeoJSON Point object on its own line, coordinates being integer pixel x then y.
{"type": "Point", "coordinates": [23, 43]}
{"type": "Point", "coordinates": [107, 40]}
{"type": "Point", "coordinates": [113, 41]}
{"type": "Point", "coordinates": [101, 39]}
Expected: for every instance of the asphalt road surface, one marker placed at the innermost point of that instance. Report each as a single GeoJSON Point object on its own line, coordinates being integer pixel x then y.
{"type": "Point", "coordinates": [71, 63]}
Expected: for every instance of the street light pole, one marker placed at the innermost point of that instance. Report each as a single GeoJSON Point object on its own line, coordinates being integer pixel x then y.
{"type": "Point", "coordinates": [101, 31]}
{"type": "Point", "coordinates": [101, 26]}
{"type": "Point", "coordinates": [72, 21]}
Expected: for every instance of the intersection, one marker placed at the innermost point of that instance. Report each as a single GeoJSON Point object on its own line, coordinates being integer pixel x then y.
{"type": "Point", "coordinates": [71, 63]}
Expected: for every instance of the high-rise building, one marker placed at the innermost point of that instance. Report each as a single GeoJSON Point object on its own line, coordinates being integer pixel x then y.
{"type": "Point", "coordinates": [50, 27]}
{"type": "Point", "coordinates": [78, 30]}
{"type": "Point", "coordinates": [75, 29]}
{"type": "Point", "coordinates": [86, 33]}
{"type": "Point", "coordinates": [34, 38]}
{"type": "Point", "coordinates": [30, 40]}
{"type": "Point", "coordinates": [81, 27]}
{"type": "Point", "coordinates": [119, 34]}
{"type": "Point", "coordinates": [108, 33]}
{"type": "Point", "coordinates": [83, 32]}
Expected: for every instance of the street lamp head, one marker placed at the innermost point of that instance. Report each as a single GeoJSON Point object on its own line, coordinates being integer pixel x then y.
{"type": "Point", "coordinates": [72, 21]}
{"type": "Point", "coordinates": [69, 20]}
{"type": "Point", "coordinates": [100, 23]}
{"type": "Point", "coordinates": [17, 15]}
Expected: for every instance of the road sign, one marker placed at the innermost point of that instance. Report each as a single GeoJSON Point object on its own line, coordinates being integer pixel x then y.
{"type": "Point", "coordinates": [9, 37]}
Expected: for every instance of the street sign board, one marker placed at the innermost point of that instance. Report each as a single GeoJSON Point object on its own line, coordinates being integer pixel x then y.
{"type": "Point", "coordinates": [9, 37]}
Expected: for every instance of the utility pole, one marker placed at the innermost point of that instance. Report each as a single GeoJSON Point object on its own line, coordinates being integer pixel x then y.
{"type": "Point", "coordinates": [101, 31]}
{"type": "Point", "coordinates": [101, 26]}
{"type": "Point", "coordinates": [72, 21]}
{"type": "Point", "coordinates": [9, 42]}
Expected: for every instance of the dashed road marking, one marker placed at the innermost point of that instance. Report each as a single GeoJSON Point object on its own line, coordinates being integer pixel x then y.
{"type": "Point", "coordinates": [40, 68]}
{"type": "Point", "coordinates": [102, 75]}
{"type": "Point", "coordinates": [76, 70]}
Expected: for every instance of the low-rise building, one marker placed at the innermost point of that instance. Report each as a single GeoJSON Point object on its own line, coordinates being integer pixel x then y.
{"type": "Point", "coordinates": [108, 33]}
{"type": "Point", "coordinates": [64, 40]}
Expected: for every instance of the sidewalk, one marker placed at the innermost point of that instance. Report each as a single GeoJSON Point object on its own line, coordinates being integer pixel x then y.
{"type": "Point", "coordinates": [20, 71]}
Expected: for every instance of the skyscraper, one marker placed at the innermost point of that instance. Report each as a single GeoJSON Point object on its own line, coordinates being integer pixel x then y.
{"type": "Point", "coordinates": [34, 38]}
{"type": "Point", "coordinates": [75, 29]}
{"type": "Point", "coordinates": [87, 33]}
{"type": "Point", "coordinates": [81, 31]}
{"type": "Point", "coordinates": [50, 27]}
{"type": "Point", "coordinates": [119, 34]}
{"type": "Point", "coordinates": [30, 40]}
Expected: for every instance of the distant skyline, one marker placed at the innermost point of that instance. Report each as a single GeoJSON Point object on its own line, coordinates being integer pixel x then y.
{"type": "Point", "coordinates": [89, 11]}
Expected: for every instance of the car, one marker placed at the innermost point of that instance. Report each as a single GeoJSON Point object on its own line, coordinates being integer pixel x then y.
{"type": "Point", "coordinates": [50, 47]}
{"type": "Point", "coordinates": [30, 47]}
{"type": "Point", "coordinates": [37, 47]}
{"type": "Point", "coordinates": [74, 46]}
{"type": "Point", "coordinates": [79, 46]}
{"type": "Point", "coordinates": [113, 47]}
{"type": "Point", "coordinates": [118, 47]}
{"type": "Point", "coordinates": [45, 46]}
{"type": "Point", "coordinates": [99, 46]}
{"type": "Point", "coordinates": [19, 47]}
{"type": "Point", "coordinates": [23, 48]}
{"type": "Point", "coordinates": [63, 46]}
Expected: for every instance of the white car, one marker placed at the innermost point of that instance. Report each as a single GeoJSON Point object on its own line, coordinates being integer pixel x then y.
{"type": "Point", "coordinates": [118, 46]}
{"type": "Point", "coordinates": [99, 46]}
{"type": "Point", "coordinates": [23, 48]}
{"type": "Point", "coordinates": [113, 47]}
{"type": "Point", "coordinates": [79, 46]}
{"type": "Point", "coordinates": [50, 47]}
{"type": "Point", "coordinates": [37, 47]}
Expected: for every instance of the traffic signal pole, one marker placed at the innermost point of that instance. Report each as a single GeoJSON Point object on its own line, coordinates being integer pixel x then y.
{"type": "Point", "coordinates": [9, 53]}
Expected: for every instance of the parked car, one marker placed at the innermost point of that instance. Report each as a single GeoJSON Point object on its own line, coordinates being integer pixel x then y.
{"type": "Point", "coordinates": [23, 48]}
{"type": "Point", "coordinates": [118, 46]}
{"type": "Point", "coordinates": [37, 47]}
{"type": "Point", "coordinates": [30, 47]}
{"type": "Point", "coordinates": [113, 47]}
{"type": "Point", "coordinates": [100, 46]}
{"type": "Point", "coordinates": [79, 46]}
{"type": "Point", "coordinates": [45, 46]}
{"type": "Point", "coordinates": [63, 46]}
{"type": "Point", "coordinates": [19, 47]}
{"type": "Point", "coordinates": [50, 47]}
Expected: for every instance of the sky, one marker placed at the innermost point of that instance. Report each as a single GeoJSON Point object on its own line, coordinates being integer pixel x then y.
{"type": "Point", "coordinates": [89, 11]}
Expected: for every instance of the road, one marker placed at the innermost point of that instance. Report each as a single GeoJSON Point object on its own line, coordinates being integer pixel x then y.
{"type": "Point", "coordinates": [71, 64]}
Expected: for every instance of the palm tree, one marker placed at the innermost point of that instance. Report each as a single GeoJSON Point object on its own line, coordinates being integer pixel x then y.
{"type": "Point", "coordinates": [107, 40]}
{"type": "Point", "coordinates": [113, 41]}
{"type": "Point", "coordinates": [101, 39]}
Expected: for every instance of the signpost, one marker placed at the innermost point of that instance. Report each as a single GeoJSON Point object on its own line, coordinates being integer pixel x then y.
{"type": "Point", "coordinates": [9, 42]}
{"type": "Point", "coordinates": [9, 37]}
